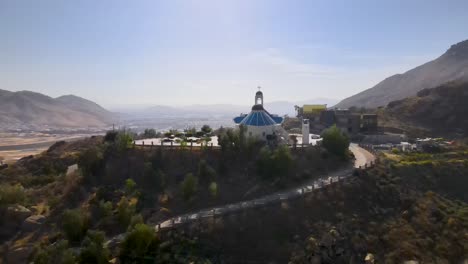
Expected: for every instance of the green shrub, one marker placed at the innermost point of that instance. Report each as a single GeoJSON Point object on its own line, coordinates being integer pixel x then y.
{"type": "Point", "coordinates": [335, 141]}
{"type": "Point", "coordinates": [58, 252]}
{"type": "Point", "coordinates": [11, 194]}
{"type": "Point", "coordinates": [111, 136]}
{"type": "Point", "coordinates": [105, 208]}
{"type": "Point", "coordinates": [124, 141]}
{"type": "Point", "coordinates": [130, 186]}
{"type": "Point", "coordinates": [205, 172]}
{"type": "Point", "coordinates": [274, 164]}
{"type": "Point", "coordinates": [93, 250]}
{"type": "Point", "coordinates": [135, 220]}
{"type": "Point", "coordinates": [213, 189]}
{"type": "Point", "coordinates": [90, 162]}
{"type": "Point", "coordinates": [126, 209]}
{"type": "Point", "coordinates": [189, 186]}
{"type": "Point", "coordinates": [139, 244]}
{"type": "Point", "coordinates": [206, 129]}
{"type": "Point", "coordinates": [75, 224]}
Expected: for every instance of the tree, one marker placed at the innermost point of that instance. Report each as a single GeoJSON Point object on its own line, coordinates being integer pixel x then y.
{"type": "Point", "coordinates": [130, 186]}
{"type": "Point", "coordinates": [90, 161]}
{"type": "Point", "coordinates": [189, 186]}
{"type": "Point", "coordinates": [75, 224]}
{"type": "Point", "coordinates": [206, 129]}
{"type": "Point", "coordinates": [335, 141]}
{"type": "Point", "coordinates": [126, 209]}
{"type": "Point", "coordinates": [149, 133]}
{"type": "Point", "coordinates": [111, 136]}
{"type": "Point", "coordinates": [58, 252]}
{"type": "Point", "coordinates": [93, 249]}
{"type": "Point", "coordinates": [140, 243]}
{"type": "Point", "coordinates": [124, 141]}
{"type": "Point", "coordinates": [274, 164]}
{"type": "Point", "coordinates": [11, 194]}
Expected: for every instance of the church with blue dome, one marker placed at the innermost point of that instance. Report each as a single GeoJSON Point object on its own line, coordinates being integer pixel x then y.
{"type": "Point", "coordinates": [260, 124]}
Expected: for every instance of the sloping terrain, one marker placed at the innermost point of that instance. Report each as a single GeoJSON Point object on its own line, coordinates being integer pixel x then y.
{"type": "Point", "coordinates": [452, 65]}
{"type": "Point", "coordinates": [30, 109]}
{"type": "Point", "coordinates": [441, 110]}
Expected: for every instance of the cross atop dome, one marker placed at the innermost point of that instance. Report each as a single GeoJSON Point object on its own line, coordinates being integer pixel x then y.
{"type": "Point", "coordinates": [259, 97]}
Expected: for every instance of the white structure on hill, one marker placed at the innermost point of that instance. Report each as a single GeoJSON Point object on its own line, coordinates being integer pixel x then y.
{"type": "Point", "coordinates": [261, 124]}
{"type": "Point", "coordinates": [305, 131]}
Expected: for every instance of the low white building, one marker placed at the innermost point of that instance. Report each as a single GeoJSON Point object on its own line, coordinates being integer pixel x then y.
{"type": "Point", "coordinates": [261, 124]}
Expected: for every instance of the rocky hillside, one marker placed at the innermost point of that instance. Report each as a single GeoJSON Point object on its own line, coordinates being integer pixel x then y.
{"type": "Point", "coordinates": [35, 110]}
{"type": "Point", "coordinates": [441, 110]}
{"type": "Point", "coordinates": [452, 65]}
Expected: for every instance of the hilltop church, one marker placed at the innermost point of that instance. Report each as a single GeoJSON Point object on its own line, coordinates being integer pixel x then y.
{"type": "Point", "coordinates": [261, 124]}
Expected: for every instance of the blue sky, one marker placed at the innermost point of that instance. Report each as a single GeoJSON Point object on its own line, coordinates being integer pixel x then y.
{"type": "Point", "coordinates": [214, 51]}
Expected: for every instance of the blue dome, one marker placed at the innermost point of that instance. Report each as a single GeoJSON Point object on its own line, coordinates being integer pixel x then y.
{"type": "Point", "coordinates": [258, 118]}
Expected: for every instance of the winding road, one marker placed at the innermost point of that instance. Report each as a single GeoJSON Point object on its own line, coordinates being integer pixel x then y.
{"type": "Point", "coordinates": [362, 158]}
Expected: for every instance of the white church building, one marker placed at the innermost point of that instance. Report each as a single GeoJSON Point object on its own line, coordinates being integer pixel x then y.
{"type": "Point", "coordinates": [261, 124]}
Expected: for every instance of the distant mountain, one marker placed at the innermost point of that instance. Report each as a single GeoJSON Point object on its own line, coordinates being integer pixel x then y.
{"type": "Point", "coordinates": [441, 110]}
{"type": "Point", "coordinates": [25, 109]}
{"type": "Point", "coordinates": [452, 65]}
{"type": "Point", "coordinates": [228, 110]}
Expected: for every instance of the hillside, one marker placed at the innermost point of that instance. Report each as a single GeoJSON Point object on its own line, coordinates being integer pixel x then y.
{"type": "Point", "coordinates": [35, 110]}
{"type": "Point", "coordinates": [441, 110]}
{"type": "Point", "coordinates": [452, 65]}
{"type": "Point", "coordinates": [410, 206]}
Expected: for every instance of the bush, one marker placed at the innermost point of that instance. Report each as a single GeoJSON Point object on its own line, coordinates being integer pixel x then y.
{"type": "Point", "coordinates": [189, 186]}
{"type": "Point", "coordinates": [149, 133]}
{"type": "Point", "coordinates": [105, 208]}
{"type": "Point", "coordinates": [90, 162]}
{"type": "Point", "coordinates": [206, 129]}
{"type": "Point", "coordinates": [130, 186]}
{"type": "Point", "coordinates": [276, 163]}
{"type": "Point", "coordinates": [205, 172]}
{"type": "Point", "coordinates": [126, 209]}
{"type": "Point", "coordinates": [11, 194]}
{"type": "Point", "coordinates": [124, 141]}
{"type": "Point", "coordinates": [110, 136]}
{"type": "Point", "coordinates": [139, 244]}
{"type": "Point", "coordinates": [213, 189]}
{"type": "Point", "coordinates": [55, 253]}
{"type": "Point", "coordinates": [135, 220]}
{"type": "Point", "coordinates": [335, 141]}
{"type": "Point", "coordinates": [75, 224]}
{"type": "Point", "coordinates": [93, 250]}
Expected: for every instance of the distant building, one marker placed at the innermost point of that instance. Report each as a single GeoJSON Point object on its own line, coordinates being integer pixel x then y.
{"type": "Point", "coordinates": [260, 124]}
{"type": "Point", "coordinates": [348, 122]}
{"type": "Point", "coordinates": [369, 123]}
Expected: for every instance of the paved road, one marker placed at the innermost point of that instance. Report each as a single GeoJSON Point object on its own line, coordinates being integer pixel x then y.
{"type": "Point", "coordinates": [362, 156]}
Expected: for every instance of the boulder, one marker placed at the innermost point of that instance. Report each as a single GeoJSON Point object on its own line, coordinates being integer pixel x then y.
{"type": "Point", "coordinates": [18, 213]}
{"type": "Point", "coordinates": [370, 259]}
{"type": "Point", "coordinates": [33, 222]}
{"type": "Point", "coordinates": [18, 254]}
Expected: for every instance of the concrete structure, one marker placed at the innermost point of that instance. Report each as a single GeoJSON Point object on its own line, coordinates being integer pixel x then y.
{"type": "Point", "coordinates": [369, 123]}
{"type": "Point", "coordinates": [348, 122]}
{"type": "Point", "coordinates": [260, 124]}
{"type": "Point", "coordinates": [305, 131]}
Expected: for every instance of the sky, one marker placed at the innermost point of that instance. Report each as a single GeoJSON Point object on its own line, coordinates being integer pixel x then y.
{"type": "Point", "coordinates": [183, 52]}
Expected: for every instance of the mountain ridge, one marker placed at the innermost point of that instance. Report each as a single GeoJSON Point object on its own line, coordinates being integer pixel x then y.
{"type": "Point", "coordinates": [28, 109]}
{"type": "Point", "coordinates": [450, 66]}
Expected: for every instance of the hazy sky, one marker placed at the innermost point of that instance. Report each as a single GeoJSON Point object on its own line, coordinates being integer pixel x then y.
{"type": "Point", "coordinates": [218, 51]}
